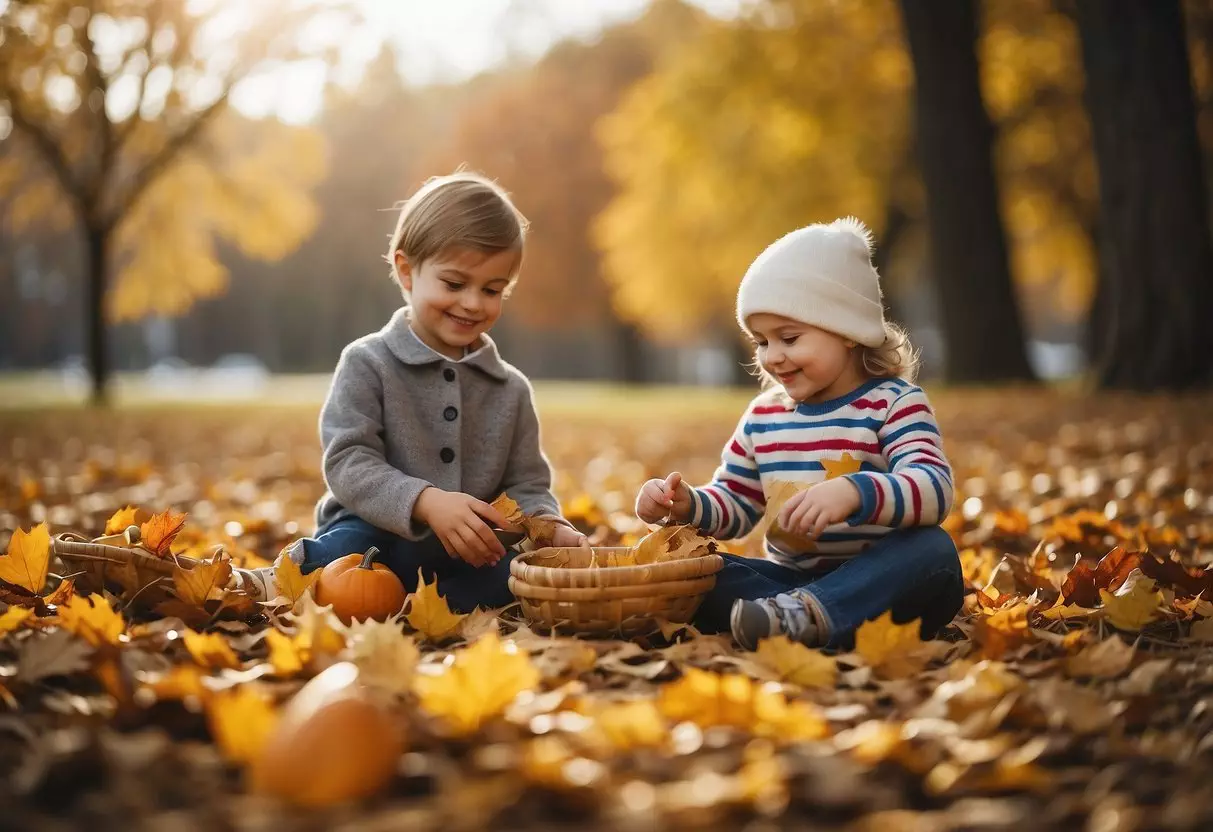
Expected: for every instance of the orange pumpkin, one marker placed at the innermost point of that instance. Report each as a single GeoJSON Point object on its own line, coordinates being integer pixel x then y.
{"type": "Point", "coordinates": [334, 742]}
{"type": "Point", "coordinates": [357, 587]}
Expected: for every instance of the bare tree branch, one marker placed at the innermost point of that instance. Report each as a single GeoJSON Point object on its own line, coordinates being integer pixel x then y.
{"type": "Point", "coordinates": [49, 147]}
{"type": "Point", "coordinates": [97, 82]}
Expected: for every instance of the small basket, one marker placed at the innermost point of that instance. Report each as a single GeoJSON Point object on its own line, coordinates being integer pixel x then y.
{"type": "Point", "coordinates": [564, 589]}
{"type": "Point", "coordinates": [126, 569]}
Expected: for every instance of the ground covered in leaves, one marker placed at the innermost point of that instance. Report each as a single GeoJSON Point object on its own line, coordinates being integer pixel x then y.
{"type": "Point", "coordinates": [1074, 692]}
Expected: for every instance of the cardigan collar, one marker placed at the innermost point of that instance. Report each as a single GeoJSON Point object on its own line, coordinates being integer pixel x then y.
{"type": "Point", "coordinates": [406, 346]}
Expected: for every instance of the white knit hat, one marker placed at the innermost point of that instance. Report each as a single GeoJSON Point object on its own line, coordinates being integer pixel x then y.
{"type": "Point", "coordinates": [820, 275]}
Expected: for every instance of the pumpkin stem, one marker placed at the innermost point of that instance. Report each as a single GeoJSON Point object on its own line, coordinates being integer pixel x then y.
{"type": "Point", "coordinates": [368, 558]}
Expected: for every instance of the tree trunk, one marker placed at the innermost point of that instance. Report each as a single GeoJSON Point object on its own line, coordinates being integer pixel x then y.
{"type": "Point", "coordinates": [629, 349]}
{"type": "Point", "coordinates": [97, 269]}
{"type": "Point", "coordinates": [980, 316]}
{"type": "Point", "coordinates": [1151, 325]}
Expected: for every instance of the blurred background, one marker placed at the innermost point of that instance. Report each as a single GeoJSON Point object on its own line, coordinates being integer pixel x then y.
{"type": "Point", "coordinates": [196, 195]}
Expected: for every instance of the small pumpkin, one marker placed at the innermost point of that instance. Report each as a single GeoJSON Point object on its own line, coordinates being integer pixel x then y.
{"type": "Point", "coordinates": [357, 587]}
{"type": "Point", "coordinates": [334, 742]}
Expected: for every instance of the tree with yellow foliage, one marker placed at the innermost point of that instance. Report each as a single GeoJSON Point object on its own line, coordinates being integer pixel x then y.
{"type": "Point", "coordinates": [120, 110]}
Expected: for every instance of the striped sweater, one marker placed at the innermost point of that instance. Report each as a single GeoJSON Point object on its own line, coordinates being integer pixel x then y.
{"type": "Point", "coordinates": [882, 436]}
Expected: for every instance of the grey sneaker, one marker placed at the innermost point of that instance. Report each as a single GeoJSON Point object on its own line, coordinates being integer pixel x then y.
{"type": "Point", "coordinates": [262, 583]}
{"type": "Point", "coordinates": [787, 614]}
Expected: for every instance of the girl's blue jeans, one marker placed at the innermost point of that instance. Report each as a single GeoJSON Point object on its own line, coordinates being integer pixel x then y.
{"type": "Point", "coordinates": [464, 586]}
{"type": "Point", "coordinates": [914, 572]}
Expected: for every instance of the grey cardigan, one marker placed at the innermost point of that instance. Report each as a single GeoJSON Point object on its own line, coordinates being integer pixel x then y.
{"type": "Point", "coordinates": [400, 417]}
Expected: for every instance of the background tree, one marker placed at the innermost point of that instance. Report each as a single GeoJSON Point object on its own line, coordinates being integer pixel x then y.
{"type": "Point", "coordinates": [122, 103]}
{"type": "Point", "coordinates": [1150, 323]}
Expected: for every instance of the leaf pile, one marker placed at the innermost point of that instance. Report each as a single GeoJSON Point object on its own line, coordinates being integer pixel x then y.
{"type": "Point", "coordinates": [1072, 692]}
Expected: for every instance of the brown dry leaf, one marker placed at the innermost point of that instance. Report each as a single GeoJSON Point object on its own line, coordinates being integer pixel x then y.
{"type": "Point", "coordinates": [210, 650]}
{"type": "Point", "coordinates": [563, 657]}
{"type": "Point", "coordinates": [58, 653]}
{"type": "Point", "coordinates": [240, 720]}
{"type": "Point", "coordinates": [1003, 631]}
{"type": "Point", "coordinates": [158, 532]}
{"type": "Point", "coordinates": [672, 543]}
{"type": "Point", "coordinates": [1105, 659]}
{"type": "Point", "coordinates": [61, 594]}
{"type": "Point", "coordinates": [292, 583]}
{"type": "Point", "coordinates": [203, 582]}
{"type": "Point", "coordinates": [429, 614]}
{"type": "Point", "coordinates": [892, 650]}
{"type": "Point", "coordinates": [92, 619]}
{"type": "Point", "coordinates": [1202, 630]}
{"type": "Point", "coordinates": [1135, 604]}
{"type": "Point", "coordinates": [508, 508]}
{"type": "Point", "coordinates": [1084, 583]}
{"type": "Point", "coordinates": [124, 517]}
{"type": "Point", "coordinates": [14, 618]}
{"type": "Point", "coordinates": [478, 623]}
{"type": "Point", "coordinates": [385, 656]}
{"type": "Point", "coordinates": [796, 663]}
{"type": "Point", "coordinates": [28, 555]}
{"type": "Point", "coordinates": [477, 686]}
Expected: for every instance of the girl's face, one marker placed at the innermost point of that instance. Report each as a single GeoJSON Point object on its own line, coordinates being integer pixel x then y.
{"type": "Point", "coordinates": [813, 365]}
{"type": "Point", "coordinates": [456, 295]}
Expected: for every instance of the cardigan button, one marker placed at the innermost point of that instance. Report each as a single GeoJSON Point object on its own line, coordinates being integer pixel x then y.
{"type": "Point", "coordinates": [448, 374]}
{"type": "Point", "coordinates": [450, 414]}
{"type": "Point", "coordinates": [446, 455]}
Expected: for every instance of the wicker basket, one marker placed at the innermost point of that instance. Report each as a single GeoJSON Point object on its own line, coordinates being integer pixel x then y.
{"type": "Point", "coordinates": [138, 573]}
{"type": "Point", "coordinates": [565, 590]}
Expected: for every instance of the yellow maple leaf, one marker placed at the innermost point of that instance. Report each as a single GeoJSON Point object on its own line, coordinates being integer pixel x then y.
{"type": "Point", "coordinates": [889, 648]}
{"type": "Point", "coordinates": [1062, 612]}
{"type": "Point", "coordinates": [183, 681]}
{"type": "Point", "coordinates": [285, 655]}
{"type": "Point", "coordinates": [92, 619]}
{"type": "Point", "coordinates": [240, 720]}
{"type": "Point", "coordinates": [777, 496]}
{"type": "Point", "coordinates": [737, 701]}
{"type": "Point", "coordinates": [508, 507]}
{"type": "Point", "coordinates": [384, 655]}
{"type": "Point", "coordinates": [428, 611]}
{"type": "Point", "coordinates": [796, 663]}
{"type": "Point", "coordinates": [478, 685]}
{"type": "Point", "coordinates": [13, 618]}
{"type": "Point", "coordinates": [1135, 604]}
{"type": "Point", "coordinates": [292, 583]}
{"type": "Point", "coordinates": [634, 724]}
{"type": "Point", "coordinates": [672, 543]}
{"type": "Point", "coordinates": [26, 562]}
{"type": "Point", "coordinates": [206, 580]}
{"type": "Point", "coordinates": [317, 639]}
{"type": "Point", "coordinates": [210, 650]}
{"type": "Point", "coordinates": [158, 532]}
{"type": "Point", "coordinates": [121, 519]}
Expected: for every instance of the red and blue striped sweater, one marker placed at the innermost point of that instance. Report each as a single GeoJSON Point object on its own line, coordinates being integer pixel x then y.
{"type": "Point", "coordinates": [882, 436]}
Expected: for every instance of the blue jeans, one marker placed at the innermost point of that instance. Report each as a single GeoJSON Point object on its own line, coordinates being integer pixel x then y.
{"type": "Point", "coordinates": [914, 572]}
{"type": "Point", "coordinates": [464, 586]}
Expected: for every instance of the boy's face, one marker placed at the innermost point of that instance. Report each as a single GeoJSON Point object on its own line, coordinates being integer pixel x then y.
{"type": "Point", "coordinates": [456, 295]}
{"type": "Point", "coordinates": [813, 365]}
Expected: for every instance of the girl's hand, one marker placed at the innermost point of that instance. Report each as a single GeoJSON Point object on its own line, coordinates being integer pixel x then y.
{"type": "Point", "coordinates": [458, 520]}
{"type": "Point", "coordinates": [659, 499]}
{"type": "Point", "coordinates": [824, 504]}
{"type": "Point", "coordinates": [563, 537]}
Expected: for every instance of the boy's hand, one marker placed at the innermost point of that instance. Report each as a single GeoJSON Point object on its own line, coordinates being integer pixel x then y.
{"type": "Point", "coordinates": [458, 520]}
{"type": "Point", "coordinates": [824, 504]}
{"type": "Point", "coordinates": [659, 499]}
{"type": "Point", "coordinates": [563, 537]}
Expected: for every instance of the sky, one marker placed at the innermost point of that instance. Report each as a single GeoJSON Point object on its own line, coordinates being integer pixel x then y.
{"type": "Point", "coordinates": [443, 40]}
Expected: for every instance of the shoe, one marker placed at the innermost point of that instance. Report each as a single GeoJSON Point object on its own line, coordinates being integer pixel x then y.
{"type": "Point", "coordinates": [262, 583]}
{"type": "Point", "coordinates": [788, 613]}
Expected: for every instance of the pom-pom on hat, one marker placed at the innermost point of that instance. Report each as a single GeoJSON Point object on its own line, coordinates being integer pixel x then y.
{"type": "Point", "coordinates": [821, 275]}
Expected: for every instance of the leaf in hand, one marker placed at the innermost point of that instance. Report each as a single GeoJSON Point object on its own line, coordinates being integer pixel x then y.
{"type": "Point", "coordinates": [158, 532]}
{"type": "Point", "coordinates": [429, 613]}
{"type": "Point", "coordinates": [796, 663]}
{"type": "Point", "coordinates": [26, 562]}
{"type": "Point", "coordinates": [202, 583]}
{"type": "Point", "coordinates": [58, 653]}
{"type": "Point", "coordinates": [92, 619]}
{"type": "Point", "coordinates": [672, 543]}
{"type": "Point", "coordinates": [509, 508]}
{"type": "Point", "coordinates": [210, 650]}
{"type": "Point", "coordinates": [479, 684]}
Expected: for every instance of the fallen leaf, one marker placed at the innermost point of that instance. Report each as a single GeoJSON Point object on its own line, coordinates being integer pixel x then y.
{"type": "Point", "coordinates": [1003, 631]}
{"type": "Point", "coordinates": [203, 582]}
{"type": "Point", "coordinates": [124, 517]}
{"type": "Point", "coordinates": [893, 650]}
{"type": "Point", "coordinates": [61, 594]}
{"type": "Point", "coordinates": [158, 532]}
{"type": "Point", "coordinates": [478, 623]}
{"type": "Point", "coordinates": [1064, 612]}
{"type": "Point", "coordinates": [25, 564]}
{"type": "Point", "coordinates": [1135, 604]}
{"type": "Point", "coordinates": [672, 543]}
{"type": "Point", "coordinates": [1105, 659]}
{"type": "Point", "coordinates": [285, 655]}
{"type": "Point", "coordinates": [1202, 630]}
{"type": "Point", "coordinates": [13, 618]}
{"type": "Point", "coordinates": [796, 663]}
{"type": "Point", "coordinates": [385, 656]}
{"type": "Point", "coordinates": [428, 612]}
{"type": "Point", "coordinates": [210, 650]}
{"type": "Point", "coordinates": [58, 653]}
{"type": "Point", "coordinates": [633, 724]}
{"type": "Point", "coordinates": [736, 701]}
{"type": "Point", "coordinates": [1083, 584]}
{"type": "Point", "coordinates": [292, 583]}
{"type": "Point", "coordinates": [240, 720]}
{"type": "Point", "coordinates": [92, 619]}
{"type": "Point", "coordinates": [182, 681]}
{"type": "Point", "coordinates": [478, 685]}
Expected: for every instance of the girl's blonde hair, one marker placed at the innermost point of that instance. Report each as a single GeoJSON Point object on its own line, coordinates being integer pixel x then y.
{"type": "Point", "coordinates": [895, 358]}
{"type": "Point", "coordinates": [460, 210]}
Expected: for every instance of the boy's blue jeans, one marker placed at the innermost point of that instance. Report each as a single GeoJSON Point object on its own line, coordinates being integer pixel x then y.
{"type": "Point", "coordinates": [464, 586]}
{"type": "Point", "coordinates": [914, 572]}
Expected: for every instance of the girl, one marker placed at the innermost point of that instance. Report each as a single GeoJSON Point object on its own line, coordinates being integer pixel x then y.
{"type": "Point", "coordinates": [841, 451]}
{"type": "Point", "coordinates": [424, 422]}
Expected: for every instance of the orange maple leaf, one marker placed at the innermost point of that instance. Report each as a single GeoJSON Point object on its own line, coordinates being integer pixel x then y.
{"type": "Point", "coordinates": [158, 532]}
{"type": "Point", "coordinates": [122, 518]}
